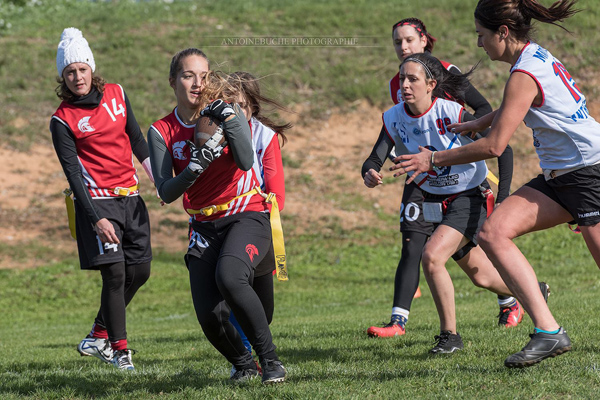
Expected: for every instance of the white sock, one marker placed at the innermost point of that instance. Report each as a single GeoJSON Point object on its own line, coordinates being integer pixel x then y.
{"type": "Point", "coordinates": [400, 311]}
{"type": "Point", "coordinates": [508, 301]}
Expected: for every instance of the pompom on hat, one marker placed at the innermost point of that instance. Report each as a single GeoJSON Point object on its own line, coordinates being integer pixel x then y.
{"type": "Point", "coordinates": [73, 48]}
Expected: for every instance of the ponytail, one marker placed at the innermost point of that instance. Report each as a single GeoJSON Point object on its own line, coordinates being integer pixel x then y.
{"type": "Point", "coordinates": [518, 14]}
{"type": "Point", "coordinates": [449, 85]}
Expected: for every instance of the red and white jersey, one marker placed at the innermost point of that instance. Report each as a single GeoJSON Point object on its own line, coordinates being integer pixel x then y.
{"type": "Point", "coordinates": [429, 130]}
{"type": "Point", "coordinates": [219, 183]}
{"type": "Point", "coordinates": [268, 166]}
{"type": "Point", "coordinates": [395, 84]}
{"type": "Point", "coordinates": [103, 146]}
{"type": "Point", "coordinates": [564, 133]}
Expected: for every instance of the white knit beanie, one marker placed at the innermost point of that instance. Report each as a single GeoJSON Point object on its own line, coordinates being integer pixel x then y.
{"type": "Point", "coordinates": [73, 48]}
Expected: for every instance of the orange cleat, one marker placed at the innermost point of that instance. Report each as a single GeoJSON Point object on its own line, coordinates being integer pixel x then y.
{"type": "Point", "coordinates": [510, 316]}
{"type": "Point", "coordinates": [417, 293]}
{"type": "Point", "coordinates": [394, 328]}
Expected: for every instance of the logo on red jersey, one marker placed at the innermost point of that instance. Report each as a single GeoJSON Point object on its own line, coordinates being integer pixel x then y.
{"type": "Point", "coordinates": [178, 150]}
{"type": "Point", "coordinates": [84, 126]}
{"type": "Point", "coordinates": [252, 251]}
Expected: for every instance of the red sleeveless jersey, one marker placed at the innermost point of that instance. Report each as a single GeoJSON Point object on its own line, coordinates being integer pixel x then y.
{"type": "Point", "coordinates": [103, 146]}
{"type": "Point", "coordinates": [395, 85]}
{"type": "Point", "coordinates": [219, 183]}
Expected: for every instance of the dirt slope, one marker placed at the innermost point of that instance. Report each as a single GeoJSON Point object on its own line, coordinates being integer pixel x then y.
{"type": "Point", "coordinates": [324, 189]}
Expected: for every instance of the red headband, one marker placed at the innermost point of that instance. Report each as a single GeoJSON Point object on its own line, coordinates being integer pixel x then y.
{"type": "Point", "coordinates": [421, 33]}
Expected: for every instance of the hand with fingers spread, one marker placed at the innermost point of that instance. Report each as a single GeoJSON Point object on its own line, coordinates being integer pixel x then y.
{"type": "Point", "coordinates": [218, 109]}
{"type": "Point", "coordinates": [420, 162]}
{"type": "Point", "coordinates": [200, 158]}
{"type": "Point", "coordinates": [373, 178]}
{"type": "Point", "coordinates": [106, 231]}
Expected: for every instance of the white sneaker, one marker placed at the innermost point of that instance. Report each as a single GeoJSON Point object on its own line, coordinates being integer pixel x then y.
{"type": "Point", "coordinates": [122, 359]}
{"type": "Point", "coordinates": [96, 347]}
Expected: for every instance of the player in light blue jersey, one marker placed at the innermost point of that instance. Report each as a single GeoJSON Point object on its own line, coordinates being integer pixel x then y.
{"type": "Point", "coordinates": [542, 93]}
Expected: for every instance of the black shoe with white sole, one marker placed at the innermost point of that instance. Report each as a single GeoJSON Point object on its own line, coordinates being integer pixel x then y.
{"type": "Point", "coordinates": [273, 371]}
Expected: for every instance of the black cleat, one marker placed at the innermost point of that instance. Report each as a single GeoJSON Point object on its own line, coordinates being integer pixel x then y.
{"type": "Point", "coordinates": [447, 342]}
{"type": "Point", "coordinates": [541, 346]}
{"type": "Point", "coordinates": [272, 371]}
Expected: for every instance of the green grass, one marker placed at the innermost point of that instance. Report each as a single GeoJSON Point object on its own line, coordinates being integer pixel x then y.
{"type": "Point", "coordinates": [133, 43]}
{"type": "Point", "coordinates": [338, 287]}
{"type": "Point", "coordinates": [341, 280]}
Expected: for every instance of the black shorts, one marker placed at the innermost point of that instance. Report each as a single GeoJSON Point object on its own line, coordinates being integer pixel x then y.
{"type": "Point", "coordinates": [129, 217]}
{"type": "Point", "coordinates": [246, 236]}
{"type": "Point", "coordinates": [411, 217]}
{"type": "Point", "coordinates": [411, 211]}
{"type": "Point", "coordinates": [578, 192]}
{"type": "Point", "coordinates": [466, 213]}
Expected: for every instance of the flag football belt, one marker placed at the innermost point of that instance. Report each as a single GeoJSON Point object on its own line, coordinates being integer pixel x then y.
{"type": "Point", "coordinates": [70, 211]}
{"type": "Point", "coordinates": [276, 228]}
{"type": "Point", "coordinates": [123, 191]}
{"type": "Point", "coordinates": [119, 191]}
{"type": "Point", "coordinates": [487, 194]}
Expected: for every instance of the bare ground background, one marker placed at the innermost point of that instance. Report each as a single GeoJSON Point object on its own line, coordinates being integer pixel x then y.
{"type": "Point", "coordinates": [325, 193]}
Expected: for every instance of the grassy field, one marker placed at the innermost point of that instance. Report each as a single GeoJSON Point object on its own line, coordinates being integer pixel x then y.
{"type": "Point", "coordinates": [341, 279]}
{"type": "Point", "coordinates": [337, 289]}
{"type": "Point", "coordinates": [133, 43]}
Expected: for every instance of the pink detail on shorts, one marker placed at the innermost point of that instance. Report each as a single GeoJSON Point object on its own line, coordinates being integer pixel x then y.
{"type": "Point", "coordinates": [252, 251]}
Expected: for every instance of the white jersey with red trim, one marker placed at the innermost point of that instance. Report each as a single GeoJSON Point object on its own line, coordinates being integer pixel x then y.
{"type": "Point", "coordinates": [564, 133]}
{"type": "Point", "coordinates": [429, 130]}
{"type": "Point", "coordinates": [103, 147]}
{"type": "Point", "coordinates": [268, 166]}
{"type": "Point", "coordinates": [219, 183]}
{"type": "Point", "coordinates": [395, 83]}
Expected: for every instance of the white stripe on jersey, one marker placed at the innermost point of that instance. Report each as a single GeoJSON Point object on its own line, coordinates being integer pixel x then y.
{"type": "Point", "coordinates": [262, 136]}
{"type": "Point", "coordinates": [243, 185]}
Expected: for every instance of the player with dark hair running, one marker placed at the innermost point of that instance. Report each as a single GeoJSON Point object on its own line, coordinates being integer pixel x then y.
{"type": "Point", "coordinates": [245, 90]}
{"type": "Point", "coordinates": [457, 199]}
{"type": "Point", "coordinates": [410, 36]}
{"type": "Point", "coordinates": [542, 93]}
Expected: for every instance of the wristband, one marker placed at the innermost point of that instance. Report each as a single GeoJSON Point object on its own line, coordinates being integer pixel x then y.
{"type": "Point", "coordinates": [432, 162]}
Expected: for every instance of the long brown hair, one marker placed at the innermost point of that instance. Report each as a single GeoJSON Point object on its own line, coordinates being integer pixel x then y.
{"type": "Point", "coordinates": [248, 85]}
{"type": "Point", "coordinates": [63, 92]}
{"type": "Point", "coordinates": [517, 15]}
{"type": "Point", "coordinates": [218, 85]}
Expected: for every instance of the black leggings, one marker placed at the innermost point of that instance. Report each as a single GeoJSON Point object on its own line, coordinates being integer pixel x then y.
{"type": "Point", "coordinates": [263, 286]}
{"type": "Point", "coordinates": [233, 291]}
{"type": "Point", "coordinates": [120, 282]}
{"type": "Point", "coordinates": [407, 273]}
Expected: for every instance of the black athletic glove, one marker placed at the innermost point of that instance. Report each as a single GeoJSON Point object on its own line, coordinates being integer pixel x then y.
{"type": "Point", "coordinates": [218, 109]}
{"type": "Point", "coordinates": [201, 157]}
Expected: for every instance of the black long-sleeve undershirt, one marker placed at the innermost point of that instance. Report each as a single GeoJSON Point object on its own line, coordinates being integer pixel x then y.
{"type": "Point", "coordinates": [66, 149]}
{"type": "Point", "coordinates": [473, 98]}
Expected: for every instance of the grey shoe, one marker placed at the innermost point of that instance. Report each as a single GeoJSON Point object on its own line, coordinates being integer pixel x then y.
{"type": "Point", "coordinates": [541, 346]}
{"type": "Point", "coordinates": [447, 342]}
